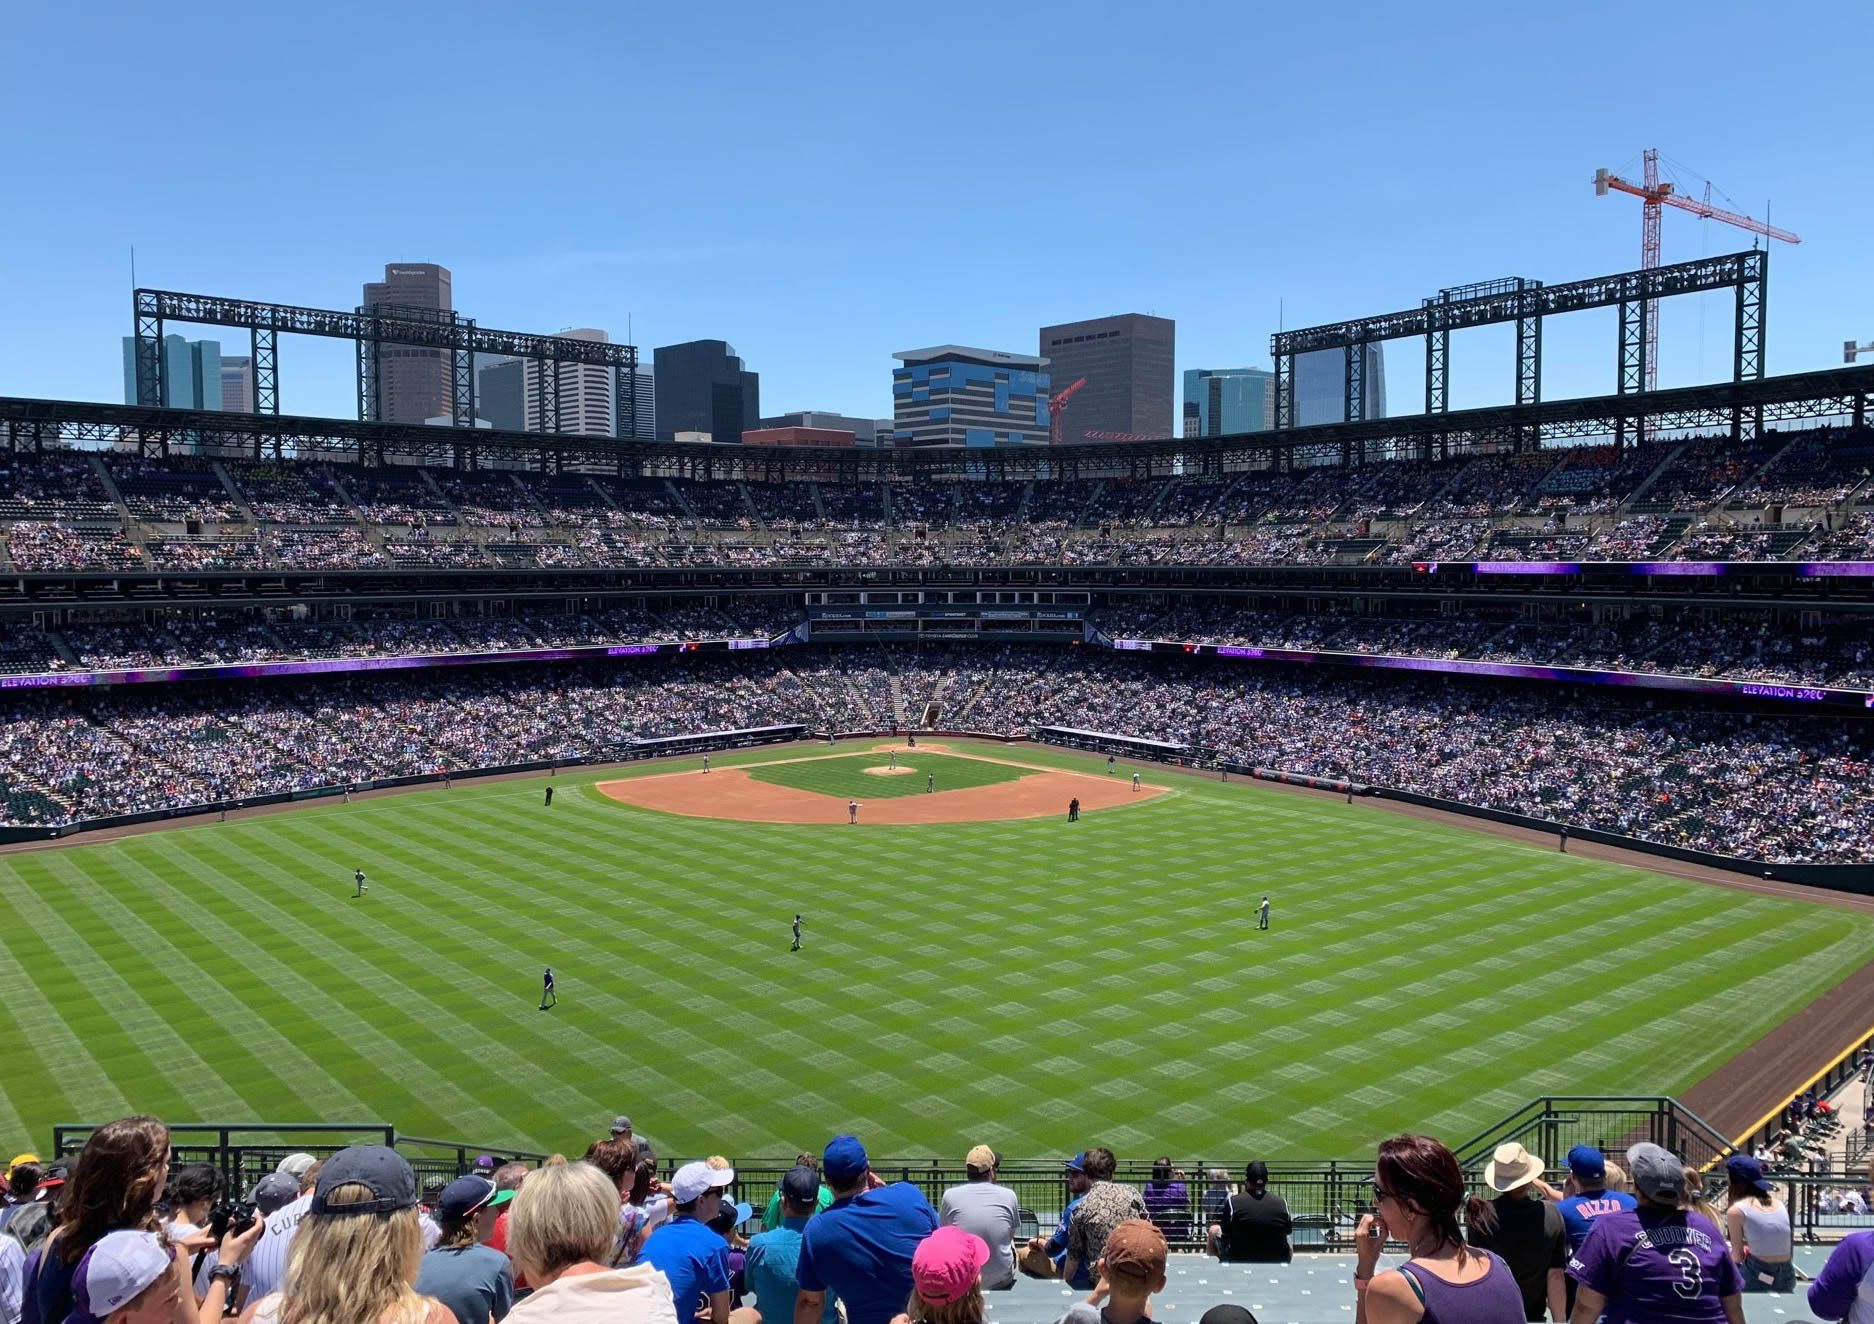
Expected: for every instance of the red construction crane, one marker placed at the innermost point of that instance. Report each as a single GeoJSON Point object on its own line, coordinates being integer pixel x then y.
{"type": "Point", "coordinates": [1056, 403]}
{"type": "Point", "coordinates": [1653, 195]}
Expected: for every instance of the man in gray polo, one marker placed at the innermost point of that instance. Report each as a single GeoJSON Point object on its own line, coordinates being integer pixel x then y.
{"type": "Point", "coordinates": [990, 1211]}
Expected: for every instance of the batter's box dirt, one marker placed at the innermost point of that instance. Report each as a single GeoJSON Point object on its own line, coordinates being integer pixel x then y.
{"type": "Point", "coordinates": [731, 793]}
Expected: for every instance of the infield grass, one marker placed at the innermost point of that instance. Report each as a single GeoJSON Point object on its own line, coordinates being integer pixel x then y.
{"type": "Point", "coordinates": [1033, 984]}
{"type": "Point", "coordinates": [849, 777]}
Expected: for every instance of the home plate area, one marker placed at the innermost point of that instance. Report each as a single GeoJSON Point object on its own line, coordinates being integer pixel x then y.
{"type": "Point", "coordinates": [892, 785]}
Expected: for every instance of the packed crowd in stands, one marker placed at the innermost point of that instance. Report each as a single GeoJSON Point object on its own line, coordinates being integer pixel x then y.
{"type": "Point", "coordinates": [1777, 788]}
{"type": "Point", "coordinates": [128, 1232]}
{"type": "Point", "coordinates": [1495, 506]}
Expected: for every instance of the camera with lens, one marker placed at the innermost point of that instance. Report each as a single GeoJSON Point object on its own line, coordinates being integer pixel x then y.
{"type": "Point", "coordinates": [234, 1216]}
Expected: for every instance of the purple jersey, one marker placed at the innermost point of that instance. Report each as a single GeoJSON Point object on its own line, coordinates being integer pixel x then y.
{"type": "Point", "coordinates": [1657, 1266]}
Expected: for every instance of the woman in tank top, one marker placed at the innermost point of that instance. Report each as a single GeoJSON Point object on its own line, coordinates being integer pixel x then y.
{"type": "Point", "coordinates": [1418, 1190]}
{"type": "Point", "coordinates": [1757, 1226]}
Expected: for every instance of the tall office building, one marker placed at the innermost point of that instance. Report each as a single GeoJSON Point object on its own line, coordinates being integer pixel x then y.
{"type": "Point", "coordinates": [1127, 361]}
{"type": "Point", "coordinates": [952, 395]}
{"type": "Point", "coordinates": [1321, 386]}
{"type": "Point", "coordinates": [501, 392]}
{"type": "Point", "coordinates": [703, 387]}
{"type": "Point", "coordinates": [237, 384]}
{"type": "Point", "coordinates": [191, 373]}
{"type": "Point", "coordinates": [865, 431]}
{"type": "Point", "coordinates": [1223, 401]}
{"type": "Point", "coordinates": [415, 383]}
{"type": "Point", "coordinates": [638, 418]}
{"type": "Point", "coordinates": [583, 392]}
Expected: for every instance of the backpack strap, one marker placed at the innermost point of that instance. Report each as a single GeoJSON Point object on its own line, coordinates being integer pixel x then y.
{"type": "Point", "coordinates": [1412, 1281]}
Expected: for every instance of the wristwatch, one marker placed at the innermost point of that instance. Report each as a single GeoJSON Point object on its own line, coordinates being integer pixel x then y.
{"type": "Point", "coordinates": [230, 1272]}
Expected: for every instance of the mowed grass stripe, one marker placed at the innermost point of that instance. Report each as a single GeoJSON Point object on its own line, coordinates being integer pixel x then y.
{"type": "Point", "coordinates": [955, 977]}
{"type": "Point", "coordinates": [852, 777]}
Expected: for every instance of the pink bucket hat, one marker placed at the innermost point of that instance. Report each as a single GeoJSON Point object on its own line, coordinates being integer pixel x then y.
{"type": "Point", "coordinates": [947, 1263]}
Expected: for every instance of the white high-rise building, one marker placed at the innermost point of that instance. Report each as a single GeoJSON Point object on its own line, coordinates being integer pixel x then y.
{"type": "Point", "coordinates": [584, 392]}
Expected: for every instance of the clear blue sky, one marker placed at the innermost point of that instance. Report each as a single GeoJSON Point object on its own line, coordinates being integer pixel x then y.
{"type": "Point", "coordinates": [821, 185]}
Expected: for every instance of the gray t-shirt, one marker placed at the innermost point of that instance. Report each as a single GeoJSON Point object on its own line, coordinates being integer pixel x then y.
{"type": "Point", "coordinates": [473, 1281]}
{"type": "Point", "coordinates": [992, 1213]}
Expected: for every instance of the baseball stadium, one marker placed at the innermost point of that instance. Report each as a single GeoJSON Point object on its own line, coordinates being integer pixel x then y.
{"type": "Point", "coordinates": [1395, 868]}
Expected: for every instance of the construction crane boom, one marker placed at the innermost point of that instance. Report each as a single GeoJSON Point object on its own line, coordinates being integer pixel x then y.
{"type": "Point", "coordinates": [1056, 403]}
{"type": "Point", "coordinates": [1654, 195]}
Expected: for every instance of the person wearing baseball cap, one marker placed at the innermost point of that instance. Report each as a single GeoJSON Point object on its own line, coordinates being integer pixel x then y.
{"type": "Point", "coordinates": [1525, 1231]}
{"type": "Point", "coordinates": [127, 1278]}
{"type": "Point", "coordinates": [987, 1209]}
{"type": "Point", "coordinates": [474, 1281]}
{"type": "Point", "coordinates": [1658, 1260]}
{"type": "Point", "coordinates": [1052, 1251]}
{"type": "Point", "coordinates": [357, 1248]}
{"type": "Point", "coordinates": [774, 1255]}
{"type": "Point", "coordinates": [861, 1247]}
{"type": "Point", "coordinates": [1585, 1197]}
{"type": "Point", "coordinates": [946, 1278]}
{"type": "Point", "coordinates": [692, 1257]}
{"type": "Point", "coordinates": [771, 1217]}
{"type": "Point", "coordinates": [1757, 1226]}
{"type": "Point", "coordinates": [1133, 1269]}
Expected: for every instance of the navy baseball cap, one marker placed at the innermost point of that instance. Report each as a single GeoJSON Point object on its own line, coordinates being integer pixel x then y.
{"type": "Point", "coordinates": [844, 1158]}
{"type": "Point", "coordinates": [1587, 1163]}
{"type": "Point", "coordinates": [1078, 1163]}
{"type": "Point", "coordinates": [1744, 1168]}
{"type": "Point", "coordinates": [801, 1184]}
{"type": "Point", "coordinates": [383, 1171]}
{"type": "Point", "coordinates": [464, 1196]}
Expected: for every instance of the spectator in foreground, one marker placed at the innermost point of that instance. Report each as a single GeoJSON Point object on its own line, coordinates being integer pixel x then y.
{"type": "Point", "coordinates": [1526, 1232]}
{"type": "Point", "coordinates": [946, 1279]}
{"type": "Point", "coordinates": [1757, 1227]}
{"type": "Point", "coordinates": [1104, 1207]}
{"type": "Point", "coordinates": [691, 1255]}
{"type": "Point", "coordinates": [191, 1193]}
{"type": "Point", "coordinates": [1418, 1190]}
{"type": "Point", "coordinates": [1133, 1269]}
{"type": "Point", "coordinates": [561, 1229]}
{"type": "Point", "coordinates": [1656, 1261]}
{"type": "Point", "coordinates": [774, 1255]}
{"type": "Point", "coordinates": [1586, 1196]}
{"type": "Point", "coordinates": [120, 1173]}
{"type": "Point", "coordinates": [266, 1267]}
{"type": "Point", "coordinates": [30, 1223]}
{"type": "Point", "coordinates": [861, 1247]}
{"type": "Point", "coordinates": [357, 1249]}
{"type": "Point", "coordinates": [617, 1158]}
{"type": "Point", "coordinates": [1167, 1199]}
{"type": "Point", "coordinates": [1227, 1315]}
{"type": "Point", "coordinates": [476, 1283]}
{"type": "Point", "coordinates": [1253, 1225]}
{"type": "Point", "coordinates": [130, 1278]}
{"type": "Point", "coordinates": [987, 1210]}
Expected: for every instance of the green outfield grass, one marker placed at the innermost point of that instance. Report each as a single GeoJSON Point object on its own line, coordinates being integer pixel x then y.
{"type": "Point", "coordinates": [1032, 984]}
{"type": "Point", "coordinates": [846, 778]}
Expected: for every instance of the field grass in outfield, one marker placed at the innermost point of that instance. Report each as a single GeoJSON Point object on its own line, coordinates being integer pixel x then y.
{"type": "Point", "coordinates": [1032, 984]}
{"type": "Point", "coordinates": [845, 777]}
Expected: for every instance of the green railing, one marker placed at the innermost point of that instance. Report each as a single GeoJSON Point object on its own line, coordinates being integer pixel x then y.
{"type": "Point", "coordinates": [1325, 1197]}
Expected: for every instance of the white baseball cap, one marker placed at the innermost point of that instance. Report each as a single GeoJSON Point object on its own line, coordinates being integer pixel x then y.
{"type": "Point", "coordinates": [118, 1267]}
{"type": "Point", "coordinates": [694, 1180]}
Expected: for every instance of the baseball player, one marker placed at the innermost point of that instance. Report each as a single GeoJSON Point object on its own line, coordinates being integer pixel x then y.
{"type": "Point", "coordinates": [1262, 914]}
{"type": "Point", "coordinates": [1135, 781]}
{"type": "Point", "coordinates": [362, 886]}
{"type": "Point", "coordinates": [796, 946]}
{"type": "Point", "coordinates": [852, 811]}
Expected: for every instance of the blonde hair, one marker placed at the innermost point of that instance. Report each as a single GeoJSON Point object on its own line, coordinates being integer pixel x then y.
{"type": "Point", "coordinates": [566, 1214]}
{"type": "Point", "coordinates": [1616, 1177]}
{"type": "Point", "coordinates": [354, 1268]}
{"type": "Point", "coordinates": [966, 1309]}
{"type": "Point", "coordinates": [1697, 1201]}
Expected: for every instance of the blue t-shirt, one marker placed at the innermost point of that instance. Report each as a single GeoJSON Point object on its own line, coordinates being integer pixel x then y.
{"type": "Point", "coordinates": [473, 1281]}
{"type": "Point", "coordinates": [771, 1277]}
{"type": "Point", "coordinates": [695, 1260]}
{"type": "Point", "coordinates": [1057, 1246]}
{"type": "Point", "coordinates": [861, 1248]}
{"type": "Point", "coordinates": [1580, 1211]}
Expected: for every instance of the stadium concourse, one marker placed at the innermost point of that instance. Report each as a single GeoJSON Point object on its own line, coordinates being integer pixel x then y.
{"type": "Point", "coordinates": [1776, 788]}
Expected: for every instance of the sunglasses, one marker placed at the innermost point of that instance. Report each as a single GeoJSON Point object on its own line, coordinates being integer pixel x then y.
{"type": "Point", "coordinates": [1380, 1193]}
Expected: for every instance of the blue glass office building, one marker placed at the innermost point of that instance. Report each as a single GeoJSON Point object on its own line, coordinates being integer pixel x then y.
{"type": "Point", "coordinates": [1221, 402]}
{"type": "Point", "coordinates": [952, 395]}
{"type": "Point", "coordinates": [1321, 386]}
{"type": "Point", "coordinates": [191, 372]}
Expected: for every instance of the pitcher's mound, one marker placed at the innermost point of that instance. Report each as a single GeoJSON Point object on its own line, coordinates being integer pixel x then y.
{"type": "Point", "coordinates": [883, 771]}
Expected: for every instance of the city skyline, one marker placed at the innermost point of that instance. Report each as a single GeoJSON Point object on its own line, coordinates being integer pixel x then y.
{"type": "Point", "coordinates": [672, 249]}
